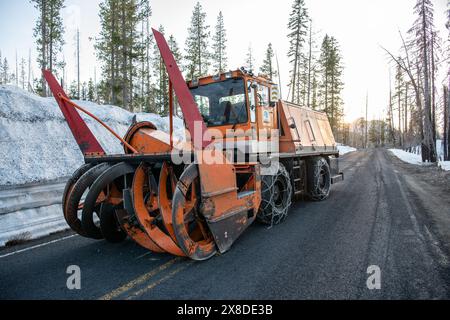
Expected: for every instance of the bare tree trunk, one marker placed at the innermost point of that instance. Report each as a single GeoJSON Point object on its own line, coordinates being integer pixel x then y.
{"type": "Point", "coordinates": [147, 91]}
{"type": "Point", "coordinates": [367, 122]}
{"type": "Point", "coordinates": [50, 40]}
{"type": "Point", "coordinates": [294, 76]}
{"type": "Point", "coordinates": [130, 66]}
{"type": "Point", "coordinates": [44, 45]}
{"type": "Point", "coordinates": [446, 125]}
{"type": "Point", "coordinates": [447, 119]}
{"type": "Point", "coordinates": [406, 112]}
{"type": "Point", "coordinates": [429, 141]}
{"type": "Point", "coordinates": [391, 111]}
{"type": "Point", "coordinates": [113, 54]}
{"type": "Point", "coordinates": [309, 64]}
{"type": "Point", "coordinates": [124, 60]}
{"type": "Point", "coordinates": [400, 117]}
{"type": "Point", "coordinates": [78, 63]}
{"type": "Point", "coordinates": [433, 89]}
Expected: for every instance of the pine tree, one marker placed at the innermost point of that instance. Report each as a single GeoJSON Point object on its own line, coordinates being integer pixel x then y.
{"type": "Point", "coordinates": [298, 29]}
{"type": "Point", "coordinates": [5, 70]}
{"type": "Point", "coordinates": [91, 91]}
{"type": "Point", "coordinates": [49, 31]}
{"type": "Point", "coordinates": [197, 54]}
{"type": "Point", "coordinates": [310, 66]}
{"type": "Point", "coordinates": [23, 80]}
{"type": "Point", "coordinates": [37, 86]}
{"type": "Point", "coordinates": [12, 78]}
{"type": "Point", "coordinates": [173, 45]}
{"type": "Point", "coordinates": [302, 82]}
{"type": "Point", "coordinates": [331, 85]}
{"type": "Point", "coordinates": [267, 67]}
{"type": "Point", "coordinates": [219, 57]}
{"type": "Point", "coordinates": [161, 88]}
{"type": "Point", "coordinates": [314, 91]}
{"type": "Point", "coordinates": [84, 91]}
{"type": "Point", "coordinates": [77, 53]}
{"type": "Point", "coordinates": [1, 69]}
{"type": "Point", "coordinates": [145, 99]}
{"type": "Point", "coordinates": [73, 91]}
{"type": "Point", "coordinates": [373, 133]}
{"type": "Point", "coordinates": [119, 47]}
{"type": "Point", "coordinates": [250, 59]}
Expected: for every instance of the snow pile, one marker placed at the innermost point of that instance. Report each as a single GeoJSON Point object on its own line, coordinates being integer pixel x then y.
{"type": "Point", "coordinates": [345, 149]}
{"type": "Point", "coordinates": [416, 159]}
{"type": "Point", "coordinates": [407, 156]}
{"type": "Point", "coordinates": [36, 143]}
{"type": "Point", "coordinates": [445, 165]}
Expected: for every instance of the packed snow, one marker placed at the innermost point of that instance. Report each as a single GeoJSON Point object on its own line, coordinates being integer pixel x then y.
{"type": "Point", "coordinates": [37, 145]}
{"type": "Point", "coordinates": [345, 149]}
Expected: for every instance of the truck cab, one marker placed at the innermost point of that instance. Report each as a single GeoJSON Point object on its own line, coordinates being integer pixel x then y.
{"type": "Point", "coordinates": [240, 106]}
{"type": "Point", "coordinates": [234, 100]}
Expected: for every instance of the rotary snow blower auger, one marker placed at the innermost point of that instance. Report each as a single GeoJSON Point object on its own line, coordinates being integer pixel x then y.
{"type": "Point", "coordinates": [199, 206]}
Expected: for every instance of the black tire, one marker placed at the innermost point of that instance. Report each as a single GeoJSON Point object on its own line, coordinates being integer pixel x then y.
{"type": "Point", "coordinates": [109, 225]}
{"type": "Point", "coordinates": [318, 179]}
{"type": "Point", "coordinates": [276, 197]}
{"type": "Point", "coordinates": [74, 198]}
{"type": "Point", "coordinates": [101, 182]}
{"type": "Point", "coordinates": [75, 177]}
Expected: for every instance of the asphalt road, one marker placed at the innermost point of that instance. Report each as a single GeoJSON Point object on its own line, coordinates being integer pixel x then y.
{"type": "Point", "coordinates": [380, 215]}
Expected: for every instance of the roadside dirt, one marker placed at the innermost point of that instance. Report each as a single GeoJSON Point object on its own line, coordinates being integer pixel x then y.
{"type": "Point", "coordinates": [429, 188]}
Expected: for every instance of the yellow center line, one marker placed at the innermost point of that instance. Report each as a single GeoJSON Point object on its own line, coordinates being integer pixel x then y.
{"type": "Point", "coordinates": [133, 283]}
{"type": "Point", "coordinates": [158, 282]}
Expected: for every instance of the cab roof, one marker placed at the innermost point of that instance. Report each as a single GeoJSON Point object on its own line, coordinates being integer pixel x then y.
{"type": "Point", "coordinates": [239, 73]}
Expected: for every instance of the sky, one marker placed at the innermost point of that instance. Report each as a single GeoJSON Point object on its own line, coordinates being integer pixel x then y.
{"type": "Point", "coordinates": [360, 26]}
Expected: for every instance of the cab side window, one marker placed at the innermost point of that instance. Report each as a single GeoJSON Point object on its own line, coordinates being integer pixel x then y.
{"type": "Point", "coordinates": [263, 96]}
{"type": "Point", "coordinates": [252, 101]}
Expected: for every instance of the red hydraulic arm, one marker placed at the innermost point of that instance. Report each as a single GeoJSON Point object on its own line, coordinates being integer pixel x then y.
{"type": "Point", "coordinates": [81, 132]}
{"type": "Point", "coordinates": [190, 109]}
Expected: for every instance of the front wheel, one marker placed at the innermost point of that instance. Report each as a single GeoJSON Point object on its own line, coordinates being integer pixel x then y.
{"type": "Point", "coordinates": [319, 179]}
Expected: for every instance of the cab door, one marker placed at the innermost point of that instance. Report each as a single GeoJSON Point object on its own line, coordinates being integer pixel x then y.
{"type": "Point", "coordinates": [266, 114]}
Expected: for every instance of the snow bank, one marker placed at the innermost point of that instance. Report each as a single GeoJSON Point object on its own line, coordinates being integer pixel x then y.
{"type": "Point", "coordinates": [416, 159]}
{"type": "Point", "coordinates": [36, 144]}
{"type": "Point", "coordinates": [407, 157]}
{"type": "Point", "coordinates": [345, 149]}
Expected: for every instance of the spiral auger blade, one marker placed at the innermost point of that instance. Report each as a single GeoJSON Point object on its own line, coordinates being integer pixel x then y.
{"type": "Point", "coordinates": [115, 183]}
{"type": "Point", "coordinates": [166, 191]}
{"type": "Point", "coordinates": [189, 226]}
{"type": "Point", "coordinates": [210, 210]}
{"type": "Point", "coordinates": [143, 204]}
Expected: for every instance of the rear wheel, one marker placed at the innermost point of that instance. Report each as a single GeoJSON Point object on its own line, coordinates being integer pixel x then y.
{"type": "Point", "coordinates": [276, 197]}
{"type": "Point", "coordinates": [319, 179]}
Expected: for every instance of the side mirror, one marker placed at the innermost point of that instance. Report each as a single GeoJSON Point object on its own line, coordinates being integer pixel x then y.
{"type": "Point", "coordinates": [273, 104]}
{"type": "Point", "coordinates": [255, 85]}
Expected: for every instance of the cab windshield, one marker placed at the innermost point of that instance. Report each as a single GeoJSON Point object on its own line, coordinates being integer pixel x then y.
{"type": "Point", "coordinates": [222, 103]}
